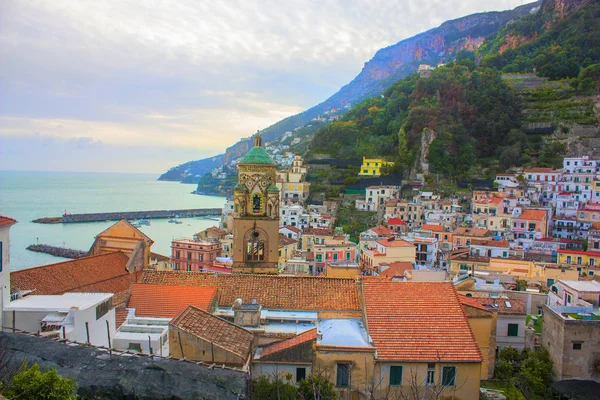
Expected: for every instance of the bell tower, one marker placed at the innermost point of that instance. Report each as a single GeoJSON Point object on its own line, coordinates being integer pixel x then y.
{"type": "Point", "coordinates": [256, 213]}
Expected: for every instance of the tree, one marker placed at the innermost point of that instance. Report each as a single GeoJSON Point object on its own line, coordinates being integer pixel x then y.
{"type": "Point", "coordinates": [317, 386]}
{"type": "Point", "coordinates": [34, 384]}
{"type": "Point", "coordinates": [528, 371]}
{"type": "Point", "coordinates": [274, 387]}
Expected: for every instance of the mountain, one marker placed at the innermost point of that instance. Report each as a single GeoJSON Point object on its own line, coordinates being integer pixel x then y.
{"type": "Point", "coordinates": [486, 112]}
{"type": "Point", "coordinates": [438, 45]}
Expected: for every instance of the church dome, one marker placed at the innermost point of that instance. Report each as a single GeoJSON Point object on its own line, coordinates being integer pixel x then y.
{"type": "Point", "coordinates": [257, 155]}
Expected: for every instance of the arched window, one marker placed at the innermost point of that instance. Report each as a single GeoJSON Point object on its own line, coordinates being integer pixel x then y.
{"type": "Point", "coordinates": [256, 206]}
{"type": "Point", "coordinates": [256, 240]}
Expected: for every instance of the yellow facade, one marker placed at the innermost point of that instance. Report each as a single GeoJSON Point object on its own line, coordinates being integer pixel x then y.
{"type": "Point", "coordinates": [122, 236]}
{"type": "Point", "coordinates": [286, 251]}
{"type": "Point", "coordinates": [579, 258]}
{"type": "Point", "coordinates": [372, 166]}
{"type": "Point", "coordinates": [483, 325]}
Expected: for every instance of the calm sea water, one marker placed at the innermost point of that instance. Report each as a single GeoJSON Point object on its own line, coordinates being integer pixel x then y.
{"type": "Point", "coordinates": [26, 196]}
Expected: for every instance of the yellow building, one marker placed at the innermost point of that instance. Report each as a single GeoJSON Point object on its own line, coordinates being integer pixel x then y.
{"type": "Point", "coordinates": [287, 248]}
{"type": "Point", "coordinates": [372, 166]}
{"type": "Point", "coordinates": [122, 236]}
{"type": "Point", "coordinates": [387, 251]}
{"type": "Point", "coordinates": [483, 325]}
{"type": "Point", "coordinates": [579, 258]}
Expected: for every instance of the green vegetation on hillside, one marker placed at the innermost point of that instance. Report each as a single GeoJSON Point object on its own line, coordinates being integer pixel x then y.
{"type": "Point", "coordinates": [553, 47]}
{"type": "Point", "coordinates": [470, 112]}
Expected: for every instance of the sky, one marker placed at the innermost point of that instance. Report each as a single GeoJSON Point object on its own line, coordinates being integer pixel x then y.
{"type": "Point", "coordinates": [141, 86]}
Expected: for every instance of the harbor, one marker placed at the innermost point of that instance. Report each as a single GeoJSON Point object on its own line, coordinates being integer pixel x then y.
{"type": "Point", "coordinates": [67, 218]}
{"type": "Point", "coordinates": [57, 251]}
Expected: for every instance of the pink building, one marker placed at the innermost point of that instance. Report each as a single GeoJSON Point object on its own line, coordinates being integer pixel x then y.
{"type": "Point", "coordinates": [193, 255]}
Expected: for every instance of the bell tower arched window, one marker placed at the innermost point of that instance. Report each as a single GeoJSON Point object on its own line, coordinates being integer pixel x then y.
{"type": "Point", "coordinates": [256, 245]}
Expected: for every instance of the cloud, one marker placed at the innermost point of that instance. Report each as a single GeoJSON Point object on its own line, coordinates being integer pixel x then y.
{"type": "Point", "coordinates": [198, 73]}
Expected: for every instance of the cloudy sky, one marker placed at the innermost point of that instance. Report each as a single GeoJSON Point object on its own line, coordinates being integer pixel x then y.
{"type": "Point", "coordinates": [140, 86]}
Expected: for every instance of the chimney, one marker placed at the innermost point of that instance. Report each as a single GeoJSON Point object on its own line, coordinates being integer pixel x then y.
{"type": "Point", "coordinates": [247, 314]}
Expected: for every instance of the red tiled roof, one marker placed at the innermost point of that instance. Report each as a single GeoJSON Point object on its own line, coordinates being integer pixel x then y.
{"type": "Point", "coordinates": [481, 232]}
{"type": "Point", "coordinates": [286, 241]}
{"type": "Point", "coordinates": [517, 306]}
{"type": "Point", "coordinates": [533, 215]}
{"type": "Point", "coordinates": [433, 228]}
{"type": "Point", "coordinates": [120, 316]}
{"type": "Point", "coordinates": [490, 243]}
{"type": "Point", "coordinates": [382, 231]}
{"type": "Point", "coordinates": [6, 220]}
{"type": "Point", "coordinates": [580, 252]}
{"type": "Point", "coordinates": [219, 332]}
{"type": "Point", "coordinates": [308, 293]}
{"type": "Point", "coordinates": [319, 231]}
{"type": "Point", "coordinates": [418, 321]}
{"type": "Point", "coordinates": [393, 242]}
{"type": "Point", "coordinates": [304, 337]}
{"type": "Point", "coordinates": [397, 268]}
{"type": "Point", "coordinates": [162, 301]}
{"type": "Point", "coordinates": [471, 302]}
{"type": "Point", "coordinates": [103, 273]}
{"type": "Point", "coordinates": [292, 228]}
{"type": "Point", "coordinates": [395, 221]}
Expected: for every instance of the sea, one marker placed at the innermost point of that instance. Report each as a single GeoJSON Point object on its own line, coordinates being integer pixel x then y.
{"type": "Point", "coordinates": [26, 196]}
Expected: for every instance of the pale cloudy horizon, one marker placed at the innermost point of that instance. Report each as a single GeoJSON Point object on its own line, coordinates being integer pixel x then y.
{"type": "Point", "coordinates": [139, 86]}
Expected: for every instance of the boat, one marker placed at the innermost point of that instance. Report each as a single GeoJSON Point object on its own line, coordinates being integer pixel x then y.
{"type": "Point", "coordinates": [144, 222]}
{"type": "Point", "coordinates": [177, 222]}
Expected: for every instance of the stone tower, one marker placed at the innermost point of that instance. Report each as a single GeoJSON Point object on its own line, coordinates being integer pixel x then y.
{"type": "Point", "coordinates": [256, 213]}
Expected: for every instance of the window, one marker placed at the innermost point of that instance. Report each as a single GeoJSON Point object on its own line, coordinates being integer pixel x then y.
{"type": "Point", "coordinates": [448, 376]}
{"type": "Point", "coordinates": [335, 256]}
{"type": "Point", "coordinates": [300, 374]}
{"type": "Point", "coordinates": [430, 374]}
{"type": "Point", "coordinates": [189, 256]}
{"type": "Point", "coordinates": [568, 259]}
{"type": "Point", "coordinates": [577, 345]}
{"type": "Point", "coordinates": [177, 254]}
{"type": "Point", "coordinates": [319, 257]}
{"type": "Point", "coordinates": [255, 242]}
{"type": "Point", "coordinates": [513, 329]}
{"type": "Point", "coordinates": [348, 256]}
{"type": "Point", "coordinates": [579, 260]}
{"type": "Point", "coordinates": [189, 267]}
{"type": "Point", "coordinates": [135, 347]}
{"type": "Point", "coordinates": [342, 377]}
{"type": "Point", "coordinates": [395, 375]}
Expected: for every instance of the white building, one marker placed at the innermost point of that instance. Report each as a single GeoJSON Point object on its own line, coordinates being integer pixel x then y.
{"type": "Point", "coordinates": [143, 334]}
{"type": "Point", "coordinates": [376, 196]}
{"type": "Point", "coordinates": [5, 224]}
{"type": "Point", "coordinates": [80, 317]}
{"type": "Point", "coordinates": [294, 215]}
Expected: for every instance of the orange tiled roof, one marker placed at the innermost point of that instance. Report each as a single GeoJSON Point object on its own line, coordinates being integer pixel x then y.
{"type": "Point", "coordinates": [418, 321]}
{"type": "Point", "coordinates": [286, 241]}
{"type": "Point", "coordinates": [6, 220]}
{"type": "Point", "coordinates": [397, 268]}
{"type": "Point", "coordinates": [292, 228]}
{"type": "Point", "coordinates": [471, 302]}
{"type": "Point", "coordinates": [393, 242]}
{"type": "Point", "coordinates": [480, 232]}
{"type": "Point", "coordinates": [533, 215]}
{"type": "Point", "coordinates": [433, 228]}
{"type": "Point", "coordinates": [319, 231]}
{"type": "Point", "coordinates": [120, 316]}
{"type": "Point", "coordinates": [162, 301]}
{"type": "Point", "coordinates": [308, 293]}
{"type": "Point", "coordinates": [221, 333]}
{"type": "Point", "coordinates": [517, 306]}
{"type": "Point", "coordinates": [395, 221]}
{"type": "Point", "coordinates": [103, 273]}
{"type": "Point", "coordinates": [382, 231]}
{"type": "Point", "coordinates": [490, 243]}
{"type": "Point", "coordinates": [539, 170]}
{"type": "Point", "coordinates": [304, 337]}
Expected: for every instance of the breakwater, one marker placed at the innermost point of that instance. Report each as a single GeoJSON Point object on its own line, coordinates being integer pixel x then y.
{"type": "Point", "coordinates": [57, 251]}
{"type": "Point", "coordinates": [131, 215]}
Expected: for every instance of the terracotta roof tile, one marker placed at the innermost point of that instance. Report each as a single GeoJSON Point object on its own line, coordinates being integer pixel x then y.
{"type": "Point", "coordinates": [304, 337]}
{"type": "Point", "coordinates": [292, 228]}
{"type": "Point", "coordinates": [517, 306]}
{"type": "Point", "coordinates": [397, 269]}
{"type": "Point", "coordinates": [534, 215]}
{"type": "Point", "coordinates": [104, 273]}
{"type": "Point", "coordinates": [218, 331]}
{"type": "Point", "coordinates": [471, 302]}
{"type": "Point", "coordinates": [120, 316]}
{"type": "Point", "coordinates": [393, 242]}
{"type": "Point", "coordinates": [162, 301]}
{"type": "Point", "coordinates": [271, 291]}
{"type": "Point", "coordinates": [382, 231]}
{"type": "Point", "coordinates": [418, 321]}
{"type": "Point", "coordinates": [540, 170]}
{"type": "Point", "coordinates": [286, 241]}
{"type": "Point", "coordinates": [490, 243]}
{"type": "Point", "coordinates": [6, 220]}
{"type": "Point", "coordinates": [319, 231]}
{"type": "Point", "coordinates": [395, 221]}
{"type": "Point", "coordinates": [433, 228]}
{"type": "Point", "coordinates": [474, 232]}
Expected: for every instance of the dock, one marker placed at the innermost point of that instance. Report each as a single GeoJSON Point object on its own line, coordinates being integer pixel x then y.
{"type": "Point", "coordinates": [57, 251]}
{"type": "Point", "coordinates": [130, 215]}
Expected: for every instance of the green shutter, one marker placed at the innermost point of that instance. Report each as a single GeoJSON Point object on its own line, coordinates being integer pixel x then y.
{"type": "Point", "coordinates": [513, 330]}
{"type": "Point", "coordinates": [448, 376]}
{"type": "Point", "coordinates": [395, 375]}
